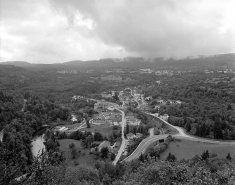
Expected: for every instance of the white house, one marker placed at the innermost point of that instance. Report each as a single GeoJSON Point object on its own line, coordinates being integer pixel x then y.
{"type": "Point", "coordinates": [130, 136]}
{"type": "Point", "coordinates": [104, 144]}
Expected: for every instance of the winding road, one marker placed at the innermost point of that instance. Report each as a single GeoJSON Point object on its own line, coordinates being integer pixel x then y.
{"type": "Point", "coordinates": [122, 147]}
{"type": "Point", "coordinates": [180, 135]}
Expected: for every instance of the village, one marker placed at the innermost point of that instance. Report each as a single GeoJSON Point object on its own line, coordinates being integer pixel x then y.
{"type": "Point", "coordinates": [111, 120]}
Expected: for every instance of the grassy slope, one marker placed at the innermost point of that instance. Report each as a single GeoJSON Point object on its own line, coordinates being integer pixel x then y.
{"type": "Point", "coordinates": [105, 129]}
{"type": "Point", "coordinates": [83, 158]}
{"type": "Point", "coordinates": [188, 149]}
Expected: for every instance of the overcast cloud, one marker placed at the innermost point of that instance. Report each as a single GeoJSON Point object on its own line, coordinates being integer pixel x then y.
{"type": "Point", "coordinates": [49, 31]}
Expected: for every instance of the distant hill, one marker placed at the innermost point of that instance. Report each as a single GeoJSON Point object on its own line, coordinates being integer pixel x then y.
{"type": "Point", "coordinates": [6, 69]}
{"type": "Point", "coordinates": [17, 63]}
{"type": "Point", "coordinates": [212, 60]}
{"type": "Point", "coordinates": [135, 62]}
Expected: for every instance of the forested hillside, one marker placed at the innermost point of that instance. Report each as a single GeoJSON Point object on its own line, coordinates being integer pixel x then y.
{"type": "Point", "coordinates": [207, 109]}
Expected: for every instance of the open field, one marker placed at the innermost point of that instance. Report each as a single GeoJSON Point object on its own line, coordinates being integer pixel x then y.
{"type": "Point", "coordinates": [83, 158]}
{"type": "Point", "coordinates": [188, 149]}
{"type": "Point", "coordinates": [71, 126]}
{"type": "Point", "coordinates": [104, 129]}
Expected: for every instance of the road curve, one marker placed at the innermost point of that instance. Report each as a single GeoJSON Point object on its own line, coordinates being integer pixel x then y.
{"type": "Point", "coordinates": [181, 135]}
{"type": "Point", "coordinates": [143, 146]}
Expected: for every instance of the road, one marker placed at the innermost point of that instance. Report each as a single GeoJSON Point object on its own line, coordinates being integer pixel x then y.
{"type": "Point", "coordinates": [180, 135]}
{"type": "Point", "coordinates": [122, 147]}
{"type": "Point", "coordinates": [143, 146]}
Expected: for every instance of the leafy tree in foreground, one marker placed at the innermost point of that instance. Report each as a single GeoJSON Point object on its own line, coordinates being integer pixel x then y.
{"type": "Point", "coordinates": [171, 157]}
{"type": "Point", "coordinates": [228, 156]}
{"type": "Point", "coordinates": [104, 152]}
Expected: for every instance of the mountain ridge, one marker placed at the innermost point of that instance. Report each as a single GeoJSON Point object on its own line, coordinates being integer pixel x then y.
{"type": "Point", "coordinates": [137, 62]}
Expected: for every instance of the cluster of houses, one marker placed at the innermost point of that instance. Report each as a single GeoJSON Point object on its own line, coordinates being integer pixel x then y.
{"type": "Point", "coordinates": [77, 97]}
{"type": "Point", "coordinates": [106, 114]}
{"type": "Point", "coordinates": [68, 71]}
{"type": "Point", "coordinates": [164, 72]}
{"type": "Point", "coordinates": [104, 105]}
{"type": "Point", "coordinates": [114, 148]}
{"type": "Point", "coordinates": [109, 94]}
{"type": "Point", "coordinates": [158, 72]}
{"type": "Point", "coordinates": [143, 71]}
{"type": "Point", "coordinates": [131, 120]}
{"type": "Point", "coordinates": [107, 117]}
{"type": "Point", "coordinates": [220, 80]}
{"type": "Point", "coordinates": [165, 102]}
{"type": "Point", "coordinates": [111, 148]}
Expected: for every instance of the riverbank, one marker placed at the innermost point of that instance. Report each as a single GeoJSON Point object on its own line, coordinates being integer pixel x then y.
{"type": "Point", "coordinates": [37, 145]}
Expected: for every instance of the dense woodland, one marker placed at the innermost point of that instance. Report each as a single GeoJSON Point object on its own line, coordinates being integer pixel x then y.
{"type": "Point", "coordinates": [207, 110]}
{"type": "Point", "coordinates": [19, 122]}
{"type": "Point", "coordinates": [204, 169]}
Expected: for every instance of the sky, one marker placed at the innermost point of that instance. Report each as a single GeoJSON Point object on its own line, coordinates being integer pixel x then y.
{"type": "Point", "coordinates": [55, 31]}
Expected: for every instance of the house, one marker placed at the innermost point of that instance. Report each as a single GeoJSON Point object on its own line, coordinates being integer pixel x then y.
{"type": "Point", "coordinates": [157, 107]}
{"type": "Point", "coordinates": [131, 120]}
{"type": "Point", "coordinates": [130, 136]}
{"type": "Point", "coordinates": [148, 98]}
{"type": "Point", "coordinates": [104, 144]}
{"type": "Point", "coordinates": [106, 95]}
{"type": "Point", "coordinates": [98, 121]}
{"type": "Point", "coordinates": [77, 97]}
{"type": "Point", "coordinates": [117, 145]}
{"type": "Point", "coordinates": [111, 108]}
{"type": "Point", "coordinates": [158, 82]}
{"type": "Point", "coordinates": [101, 104]}
{"type": "Point", "coordinates": [178, 102]}
{"type": "Point", "coordinates": [115, 118]}
{"type": "Point", "coordinates": [139, 135]}
{"type": "Point", "coordinates": [74, 118]}
{"type": "Point", "coordinates": [165, 117]}
{"type": "Point", "coordinates": [115, 123]}
{"type": "Point", "coordinates": [63, 129]}
{"type": "Point", "coordinates": [104, 105]}
{"type": "Point", "coordinates": [161, 101]}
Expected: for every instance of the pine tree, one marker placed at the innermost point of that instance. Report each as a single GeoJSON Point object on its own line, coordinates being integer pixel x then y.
{"type": "Point", "coordinates": [205, 155]}
{"type": "Point", "coordinates": [127, 128]}
{"type": "Point", "coordinates": [188, 127]}
{"type": "Point", "coordinates": [141, 158]}
{"type": "Point", "coordinates": [88, 124]}
{"type": "Point", "coordinates": [229, 157]}
{"type": "Point", "coordinates": [229, 107]}
{"type": "Point", "coordinates": [198, 132]}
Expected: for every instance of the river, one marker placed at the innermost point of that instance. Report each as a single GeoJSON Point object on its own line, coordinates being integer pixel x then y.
{"type": "Point", "coordinates": [37, 142]}
{"type": "Point", "coordinates": [37, 145]}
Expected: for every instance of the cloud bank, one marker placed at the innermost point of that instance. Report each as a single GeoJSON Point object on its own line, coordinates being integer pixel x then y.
{"type": "Point", "coordinates": [49, 31]}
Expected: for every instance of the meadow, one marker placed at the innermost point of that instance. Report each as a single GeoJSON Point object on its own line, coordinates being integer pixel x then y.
{"type": "Point", "coordinates": [105, 129]}
{"type": "Point", "coordinates": [84, 157]}
{"type": "Point", "coordinates": [188, 149]}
